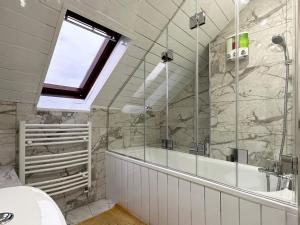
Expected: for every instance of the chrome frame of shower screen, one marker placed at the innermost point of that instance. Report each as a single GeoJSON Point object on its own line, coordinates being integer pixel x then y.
{"type": "Point", "coordinates": [297, 98]}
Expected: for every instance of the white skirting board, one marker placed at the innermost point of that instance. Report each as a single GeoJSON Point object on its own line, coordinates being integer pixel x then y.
{"type": "Point", "coordinates": [158, 196]}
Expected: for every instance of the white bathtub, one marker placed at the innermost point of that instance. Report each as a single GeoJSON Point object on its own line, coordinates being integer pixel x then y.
{"type": "Point", "coordinates": [249, 177]}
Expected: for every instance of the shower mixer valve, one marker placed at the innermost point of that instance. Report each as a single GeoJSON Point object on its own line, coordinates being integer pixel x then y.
{"type": "Point", "coordinates": [287, 164]}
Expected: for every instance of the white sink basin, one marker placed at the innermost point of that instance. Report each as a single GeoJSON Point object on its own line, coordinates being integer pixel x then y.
{"type": "Point", "coordinates": [30, 206]}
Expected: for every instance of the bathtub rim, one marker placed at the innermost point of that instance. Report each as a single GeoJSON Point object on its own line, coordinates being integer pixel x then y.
{"type": "Point", "coordinates": [223, 188]}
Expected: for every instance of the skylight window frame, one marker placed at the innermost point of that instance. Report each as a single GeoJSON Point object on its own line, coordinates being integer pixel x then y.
{"type": "Point", "coordinates": [110, 42]}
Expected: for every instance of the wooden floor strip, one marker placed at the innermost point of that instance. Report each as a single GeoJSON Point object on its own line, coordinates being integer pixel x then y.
{"type": "Point", "coordinates": [115, 216]}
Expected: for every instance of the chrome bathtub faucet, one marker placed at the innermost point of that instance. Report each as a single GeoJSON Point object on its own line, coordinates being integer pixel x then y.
{"type": "Point", "coordinates": [200, 149]}
{"type": "Point", "coordinates": [284, 169]}
{"type": "Point", "coordinates": [167, 144]}
{"type": "Point", "coordinates": [6, 217]}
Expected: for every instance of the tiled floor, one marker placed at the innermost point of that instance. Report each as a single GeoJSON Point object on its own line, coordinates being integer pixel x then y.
{"type": "Point", "coordinates": [82, 213]}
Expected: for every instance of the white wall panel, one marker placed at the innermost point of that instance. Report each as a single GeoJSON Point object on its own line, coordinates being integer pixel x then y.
{"type": "Point", "coordinates": [229, 210]}
{"type": "Point", "coordinates": [32, 27]}
{"type": "Point", "coordinates": [17, 96]}
{"type": "Point", "coordinates": [180, 21]}
{"type": "Point", "coordinates": [227, 7]}
{"type": "Point", "coordinates": [272, 216]}
{"type": "Point", "coordinates": [153, 197]}
{"type": "Point", "coordinates": [118, 183]}
{"type": "Point", "coordinates": [12, 19]}
{"type": "Point", "coordinates": [108, 176]}
{"type": "Point", "coordinates": [33, 10]}
{"type": "Point", "coordinates": [145, 195]}
{"type": "Point", "coordinates": [143, 28]}
{"type": "Point", "coordinates": [20, 83]}
{"type": "Point", "coordinates": [249, 213]}
{"type": "Point", "coordinates": [184, 198]}
{"type": "Point", "coordinates": [172, 200]}
{"type": "Point", "coordinates": [158, 197]}
{"type": "Point", "coordinates": [56, 5]}
{"type": "Point", "coordinates": [113, 181]}
{"type": "Point", "coordinates": [291, 219]}
{"type": "Point", "coordinates": [198, 206]}
{"type": "Point", "coordinates": [124, 189]}
{"type": "Point", "coordinates": [167, 7]}
{"type": "Point", "coordinates": [21, 59]}
{"type": "Point", "coordinates": [150, 14]}
{"type": "Point", "coordinates": [137, 190]}
{"type": "Point", "coordinates": [130, 185]}
{"type": "Point", "coordinates": [15, 37]}
{"type": "Point", "coordinates": [212, 206]}
{"type": "Point", "coordinates": [162, 187]}
{"type": "Point", "coordinates": [122, 13]}
{"type": "Point", "coordinates": [214, 12]}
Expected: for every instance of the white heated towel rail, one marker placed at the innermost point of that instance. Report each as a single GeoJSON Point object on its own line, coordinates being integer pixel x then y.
{"type": "Point", "coordinates": [34, 135]}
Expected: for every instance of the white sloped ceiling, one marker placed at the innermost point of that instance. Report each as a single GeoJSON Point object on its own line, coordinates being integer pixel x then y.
{"type": "Point", "coordinates": [181, 40]}
{"type": "Point", "coordinates": [28, 26]}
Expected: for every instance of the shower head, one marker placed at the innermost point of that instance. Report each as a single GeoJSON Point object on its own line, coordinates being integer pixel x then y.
{"type": "Point", "coordinates": [279, 40]}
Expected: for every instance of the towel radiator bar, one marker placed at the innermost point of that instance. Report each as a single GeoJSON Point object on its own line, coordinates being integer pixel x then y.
{"type": "Point", "coordinates": [31, 135]}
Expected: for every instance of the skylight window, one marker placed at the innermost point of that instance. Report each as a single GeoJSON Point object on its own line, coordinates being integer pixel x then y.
{"type": "Point", "coordinates": [80, 53]}
{"type": "Point", "coordinates": [68, 66]}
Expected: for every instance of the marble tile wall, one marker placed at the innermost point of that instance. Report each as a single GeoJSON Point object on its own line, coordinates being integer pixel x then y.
{"type": "Point", "coordinates": [12, 113]}
{"type": "Point", "coordinates": [7, 133]}
{"type": "Point", "coordinates": [261, 85]}
{"type": "Point", "coordinates": [127, 129]}
{"type": "Point", "coordinates": [182, 114]}
{"type": "Point", "coordinates": [131, 129]}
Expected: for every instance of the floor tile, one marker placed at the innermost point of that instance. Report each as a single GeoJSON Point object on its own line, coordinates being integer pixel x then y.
{"type": "Point", "coordinates": [100, 206]}
{"type": "Point", "coordinates": [77, 215]}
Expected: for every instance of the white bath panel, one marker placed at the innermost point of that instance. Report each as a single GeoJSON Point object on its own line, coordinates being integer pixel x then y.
{"type": "Point", "coordinates": [249, 213]}
{"type": "Point", "coordinates": [162, 187]}
{"type": "Point", "coordinates": [137, 190]}
{"type": "Point", "coordinates": [108, 176]}
{"type": "Point", "coordinates": [160, 198]}
{"type": "Point", "coordinates": [153, 197]}
{"type": "Point", "coordinates": [212, 207]}
{"type": "Point", "coordinates": [118, 178]}
{"type": "Point", "coordinates": [145, 194]}
{"type": "Point", "coordinates": [272, 216]}
{"type": "Point", "coordinates": [124, 184]}
{"type": "Point", "coordinates": [172, 200]}
{"type": "Point", "coordinates": [184, 198]}
{"type": "Point", "coordinates": [291, 219]}
{"type": "Point", "coordinates": [113, 180]}
{"type": "Point", "coordinates": [130, 184]}
{"type": "Point", "coordinates": [229, 210]}
{"type": "Point", "coordinates": [198, 207]}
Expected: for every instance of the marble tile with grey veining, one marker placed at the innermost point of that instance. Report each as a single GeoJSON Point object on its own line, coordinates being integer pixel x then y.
{"type": "Point", "coordinates": [7, 133]}
{"type": "Point", "coordinates": [98, 117]}
{"type": "Point", "coordinates": [8, 177]}
{"type": "Point", "coordinates": [261, 85]}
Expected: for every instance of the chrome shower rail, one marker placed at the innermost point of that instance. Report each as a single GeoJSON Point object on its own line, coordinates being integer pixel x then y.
{"type": "Point", "coordinates": [34, 135]}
